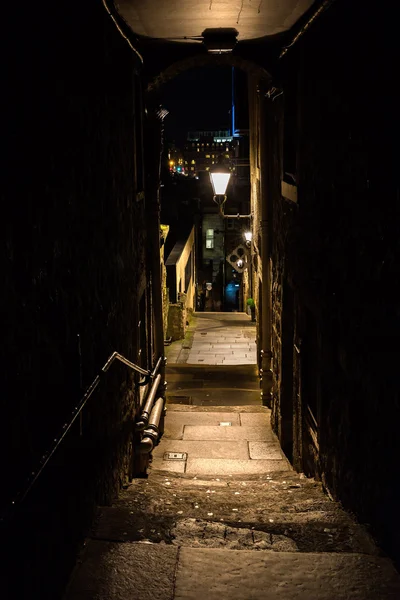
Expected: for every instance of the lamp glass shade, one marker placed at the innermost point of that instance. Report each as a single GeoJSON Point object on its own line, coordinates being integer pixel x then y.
{"type": "Point", "coordinates": [219, 182]}
{"type": "Point", "coordinates": [248, 236]}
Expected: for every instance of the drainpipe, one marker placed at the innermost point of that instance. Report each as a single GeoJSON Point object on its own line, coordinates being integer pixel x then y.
{"type": "Point", "coordinates": [265, 200]}
{"type": "Point", "coordinates": [153, 164]}
{"type": "Point", "coordinates": [152, 431]}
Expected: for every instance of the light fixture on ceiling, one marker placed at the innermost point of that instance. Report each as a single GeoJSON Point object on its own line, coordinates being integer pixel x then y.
{"type": "Point", "coordinates": [220, 40]}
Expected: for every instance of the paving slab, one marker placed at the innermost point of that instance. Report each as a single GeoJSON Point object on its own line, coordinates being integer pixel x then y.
{"type": "Point", "coordinates": [256, 420]}
{"type": "Point", "coordinates": [110, 571]}
{"type": "Point", "coordinates": [173, 466]}
{"type": "Point", "coordinates": [215, 466]}
{"type": "Point", "coordinates": [258, 409]}
{"type": "Point", "coordinates": [174, 432]}
{"type": "Point", "coordinates": [245, 575]}
{"type": "Point", "coordinates": [265, 450]}
{"type": "Point", "coordinates": [199, 449]}
{"type": "Point", "coordinates": [201, 418]}
{"type": "Point", "coordinates": [208, 432]}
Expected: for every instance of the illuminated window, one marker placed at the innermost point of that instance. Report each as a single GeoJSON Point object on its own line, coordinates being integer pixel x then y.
{"type": "Point", "coordinates": [210, 238]}
{"type": "Point", "coordinates": [212, 156]}
{"type": "Point", "coordinates": [198, 149]}
{"type": "Point", "coordinates": [207, 168]}
{"type": "Point", "coordinates": [193, 162]}
{"type": "Point", "coordinates": [186, 162]}
{"type": "Point", "coordinates": [208, 156]}
{"type": "Point", "coordinates": [208, 144]}
{"type": "Point", "coordinates": [192, 168]}
{"type": "Point", "coordinates": [227, 155]}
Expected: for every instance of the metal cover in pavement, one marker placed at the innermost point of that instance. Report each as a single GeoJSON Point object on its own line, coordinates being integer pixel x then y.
{"type": "Point", "coordinates": [175, 455]}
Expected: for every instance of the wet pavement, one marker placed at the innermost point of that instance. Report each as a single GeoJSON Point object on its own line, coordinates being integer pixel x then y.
{"type": "Point", "coordinates": [222, 513]}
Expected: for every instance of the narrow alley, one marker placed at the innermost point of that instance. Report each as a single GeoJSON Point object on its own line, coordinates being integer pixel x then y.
{"type": "Point", "coordinates": [222, 514]}
{"type": "Point", "coordinates": [201, 322]}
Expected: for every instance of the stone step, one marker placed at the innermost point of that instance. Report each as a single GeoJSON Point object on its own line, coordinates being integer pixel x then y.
{"type": "Point", "coordinates": [146, 571]}
{"type": "Point", "coordinates": [210, 432]}
{"type": "Point", "coordinates": [304, 532]}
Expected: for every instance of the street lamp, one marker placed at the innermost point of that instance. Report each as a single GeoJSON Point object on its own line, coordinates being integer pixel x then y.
{"type": "Point", "coordinates": [219, 176]}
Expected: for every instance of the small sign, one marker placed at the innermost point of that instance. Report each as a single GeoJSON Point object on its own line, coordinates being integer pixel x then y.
{"type": "Point", "coordinates": [225, 424]}
{"type": "Point", "coordinates": [175, 455]}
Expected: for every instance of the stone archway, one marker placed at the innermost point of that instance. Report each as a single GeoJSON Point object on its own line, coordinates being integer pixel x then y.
{"type": "Point", "coordinates": [206, 60]}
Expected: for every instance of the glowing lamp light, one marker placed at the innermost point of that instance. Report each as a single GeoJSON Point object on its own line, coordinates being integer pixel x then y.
{"type": "Point", "coordinates": [248, 236]}
{"type": "Point", "coordinates": [219, 175]}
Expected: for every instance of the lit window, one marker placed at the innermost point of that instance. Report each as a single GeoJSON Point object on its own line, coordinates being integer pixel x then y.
{"type": "Point", "coordinates": [227, 155]}
{"type": "Point", "coordinates": [198, 149]}
{"type": "Point", "coordinates": [212, 156]}
{"type": "Point", "coordinates": [192, 168]}
{"type": "Point", "coordinates": [207, 168]}
{"type": "Point", "coordinates": [210, 238]}
{"type": "Point", "coordinates": [193, 162]}
{"type": "Point", "coordinates": [208, 156]}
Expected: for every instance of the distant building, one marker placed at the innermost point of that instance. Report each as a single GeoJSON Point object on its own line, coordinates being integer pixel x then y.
{"type": "Point", "coordinates": [203, 148]}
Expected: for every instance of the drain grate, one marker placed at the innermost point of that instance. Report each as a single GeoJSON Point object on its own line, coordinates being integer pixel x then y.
{"type": "Point", "coordinates": [175, 455]}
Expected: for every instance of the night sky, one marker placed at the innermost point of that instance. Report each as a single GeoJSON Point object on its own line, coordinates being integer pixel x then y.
{"type": "Point", "coordinates": [197, 99]}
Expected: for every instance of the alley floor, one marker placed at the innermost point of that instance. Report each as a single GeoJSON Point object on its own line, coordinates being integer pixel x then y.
{"type": "Point", "coordinates": [222, 513]}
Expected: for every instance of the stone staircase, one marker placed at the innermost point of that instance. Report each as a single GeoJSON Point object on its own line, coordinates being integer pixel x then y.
{"type": "Point", "coordinates": [223, 515]}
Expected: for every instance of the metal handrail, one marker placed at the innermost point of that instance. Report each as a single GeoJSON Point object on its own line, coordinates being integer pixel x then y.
{"type": "Point", "coordinates": [34, 476]}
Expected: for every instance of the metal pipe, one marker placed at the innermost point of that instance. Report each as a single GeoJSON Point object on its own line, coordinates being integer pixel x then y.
{"type": "Point", "coordinates": [154, 149]}
{"type": "Point", "coordinates": [125, 361]}
{"type": "Point", "coordinates": [151, 432]}
{"type": "Point", "coordinates": [156, 368]}
{"type": "Point", "coordinates": [144, 417]}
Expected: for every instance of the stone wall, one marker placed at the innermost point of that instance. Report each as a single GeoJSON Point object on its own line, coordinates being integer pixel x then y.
{"type": "Point", "coordinates": [336, 264]}
{"type": "Point", "coordinates": [74, 266]}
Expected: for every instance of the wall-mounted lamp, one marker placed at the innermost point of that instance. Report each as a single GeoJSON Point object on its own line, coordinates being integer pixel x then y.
{"type": "Point", "coordinates": [248, 236]}
{"type": "Point", "coordinates": [219, 176]}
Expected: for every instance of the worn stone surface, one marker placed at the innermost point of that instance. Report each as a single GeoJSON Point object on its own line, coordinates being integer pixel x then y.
{"type": "Point", "coordinates": [200, 449]}
{"type": "Point", "coordinates": [120, 571]}
{"type": "Point", "coordinates": [250, 576]}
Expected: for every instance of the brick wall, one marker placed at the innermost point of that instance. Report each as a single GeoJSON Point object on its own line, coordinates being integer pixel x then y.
{"type": "Point", "coordinates": [337, 254]}
{"type": "Point", "coordinates": [74, 264]}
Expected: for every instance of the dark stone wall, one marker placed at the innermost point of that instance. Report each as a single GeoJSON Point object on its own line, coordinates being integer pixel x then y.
{"type": "Point", "coordinates": [337, 254]}
{"type": "Point", "coordinates": [74, 264]}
